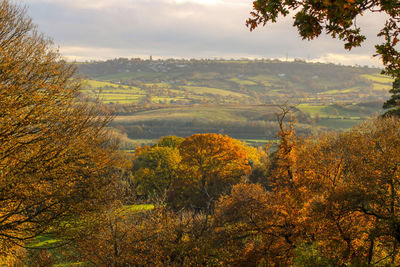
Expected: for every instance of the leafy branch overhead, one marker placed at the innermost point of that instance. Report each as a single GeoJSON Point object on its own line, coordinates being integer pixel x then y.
{"type": "Point", "coordinates": [338, 19]}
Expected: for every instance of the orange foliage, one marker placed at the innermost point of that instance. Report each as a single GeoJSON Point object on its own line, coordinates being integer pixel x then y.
{"type": "Point", "coordinates": [338, 192]}
{"type": "Point", "coordinates": [210, 164]}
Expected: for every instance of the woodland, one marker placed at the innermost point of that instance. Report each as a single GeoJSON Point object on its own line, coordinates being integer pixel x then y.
{"type": "Point", "coordinates": [70, 196]}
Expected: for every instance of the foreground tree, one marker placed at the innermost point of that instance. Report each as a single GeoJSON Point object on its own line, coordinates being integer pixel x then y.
{"type": "Point", "coordinates": [338, 19]}
{"type": "Point", "coordinates": [156, 237]}
{"type": "Point", "coordinates": [56, 159]}
{"type": "Point", "coordinates": [335, 202]}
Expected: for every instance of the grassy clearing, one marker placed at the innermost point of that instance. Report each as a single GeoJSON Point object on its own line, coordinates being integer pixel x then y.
{"type": "Point", "coordinates": [97, 84]}
{"type": "Point", "coordinates": [120, 99]}
{"type": "Point", "coordinates": [379, 78]}
{"type": "Point", "coordinates": [344, 91]}
{"type": "Point", "coordinates": [381, 87]}
{"type": "Point", "coordinates": [43, 242]}
{"type": "Point", "coordinates": [313, 110]}
{"type": "Point", "coordinates": [381, 82]}
{"type": "Point", "coordinates": [111, 93]}
{"type": "Point", "coordinates": [213, 91]}
{"type": "Point", "coordinates": [180, 114]}
{"type": "Point", "coordinates": [340, 111]}
{"type": "Point", "coordinates": [136, 208]}
{"type": "Point", "coordinates": [207, 113]}
{"type": "Point", "coordinates": [268, 80]}
{"type": "Point", "coordinates": [109, 96]}
{"type": "Point", "coordinates": [242, 82]}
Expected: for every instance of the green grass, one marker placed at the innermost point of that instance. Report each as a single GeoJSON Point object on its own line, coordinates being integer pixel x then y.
{"type": "Point", "coordinates": [109, 92]}
{"type": "Point", "coordinates": [214, 91]}
{"type": "Point", "coordinates": [43, 242]}
{"type": "Point", "coordinates": [203, 113]}
{"type": "Point", "coordinates": [242, 82]}
{"type": "Point", "coordinates": [381, 82]}
{"type": "Point", "coordinates": [381, 87]}
{"type": "Point", "coordinates": [136, 208]}
{"type": "Point", "coordinates": [313, 110]}
{"type": "Point", "coordinates": [123, 94]}
{"type": "Point", "coordinates": [266, 79]}
{"type": "Point", "coordinates": [339, 111]}
{"type": "Point", "coordinates": [335, 123]}
{"type": "Point", "coordinates": [378, 78]}
{"type": "Point", "coordinates": [344, 91]}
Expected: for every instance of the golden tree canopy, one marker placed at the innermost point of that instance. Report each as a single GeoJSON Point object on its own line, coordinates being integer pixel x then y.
{"type": "Point", "coordinates": [55, 155]}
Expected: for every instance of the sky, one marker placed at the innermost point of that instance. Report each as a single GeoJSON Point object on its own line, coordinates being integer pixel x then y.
{"type": "Point", "coordinates": [104, 29]}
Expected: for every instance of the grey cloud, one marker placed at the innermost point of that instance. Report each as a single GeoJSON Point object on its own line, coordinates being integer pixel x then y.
{"type": "Point", "coordinates": [178, 28]}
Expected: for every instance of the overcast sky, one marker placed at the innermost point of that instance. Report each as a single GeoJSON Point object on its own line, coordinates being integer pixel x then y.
{"type": "Point", "coordinates": [103, 29]}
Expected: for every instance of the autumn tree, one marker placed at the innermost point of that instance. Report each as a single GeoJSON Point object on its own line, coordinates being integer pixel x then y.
{"type": "Point", "coordinates": [332, 200]}
{"type": "Point", "coordinates": [170, 141]}
{"type": "Point", "coordinates": [339, 19]}
{"type": "Point", "coordinates": [349, 186]}
{"type": "Point", "coordinates": [56, 158]}
{"type": "Point", "coordinates": [155, 167]}
{"type": "Point", "coordinates": [210, 164]}
{"type": "Point", "coordinates": [154, 170]}
{"type": "Point", "coordinates": [156, 237]}
{"type": "Point", "coordinates": [339, 232]}
{"type": "Point", "coordinates": [252, 228]}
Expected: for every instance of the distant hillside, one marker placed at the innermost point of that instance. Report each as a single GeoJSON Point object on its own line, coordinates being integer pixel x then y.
{"type": "Point", "coordinates": [233, 82]}
{"type": "Point", "coordinates": [150, 95]}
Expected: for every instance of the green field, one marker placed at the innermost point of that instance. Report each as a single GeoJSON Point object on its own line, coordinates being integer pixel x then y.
{"type": "Point", "coordinates": [242, 82]}
{"type": "Point", "coordinates": [236, 97]}
{"type": "Point", "coordinates": [380, 82]}
{"type": "Point", "coordinates": [344, 91]}
{"type": "Point", "coordinates": [340, 111]}
{"type": "Point", "coordinates": [208, 90]}
{"type": "Point", "coordinates": [339, 124]}
{"type": "Point", "coordinates": [233, 82]}
{"type": "Point", "coordinates": [209, 113]}
{"type": "Point", "coordinates": [379, 78]}
{"type": "Point", "coordinates": [313, 110]}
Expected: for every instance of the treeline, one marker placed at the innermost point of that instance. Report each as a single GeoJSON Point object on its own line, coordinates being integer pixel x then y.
{"type": "Point", "coordinates": [241, 122]}
{"type": "Point", "coordinates": [155, 129]}
{"type": "Point", "coordinates": [188, 68]}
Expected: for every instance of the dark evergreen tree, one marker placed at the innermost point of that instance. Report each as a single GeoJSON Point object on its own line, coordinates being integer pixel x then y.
{"type": "Point", "coordinates": [393, 104]}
